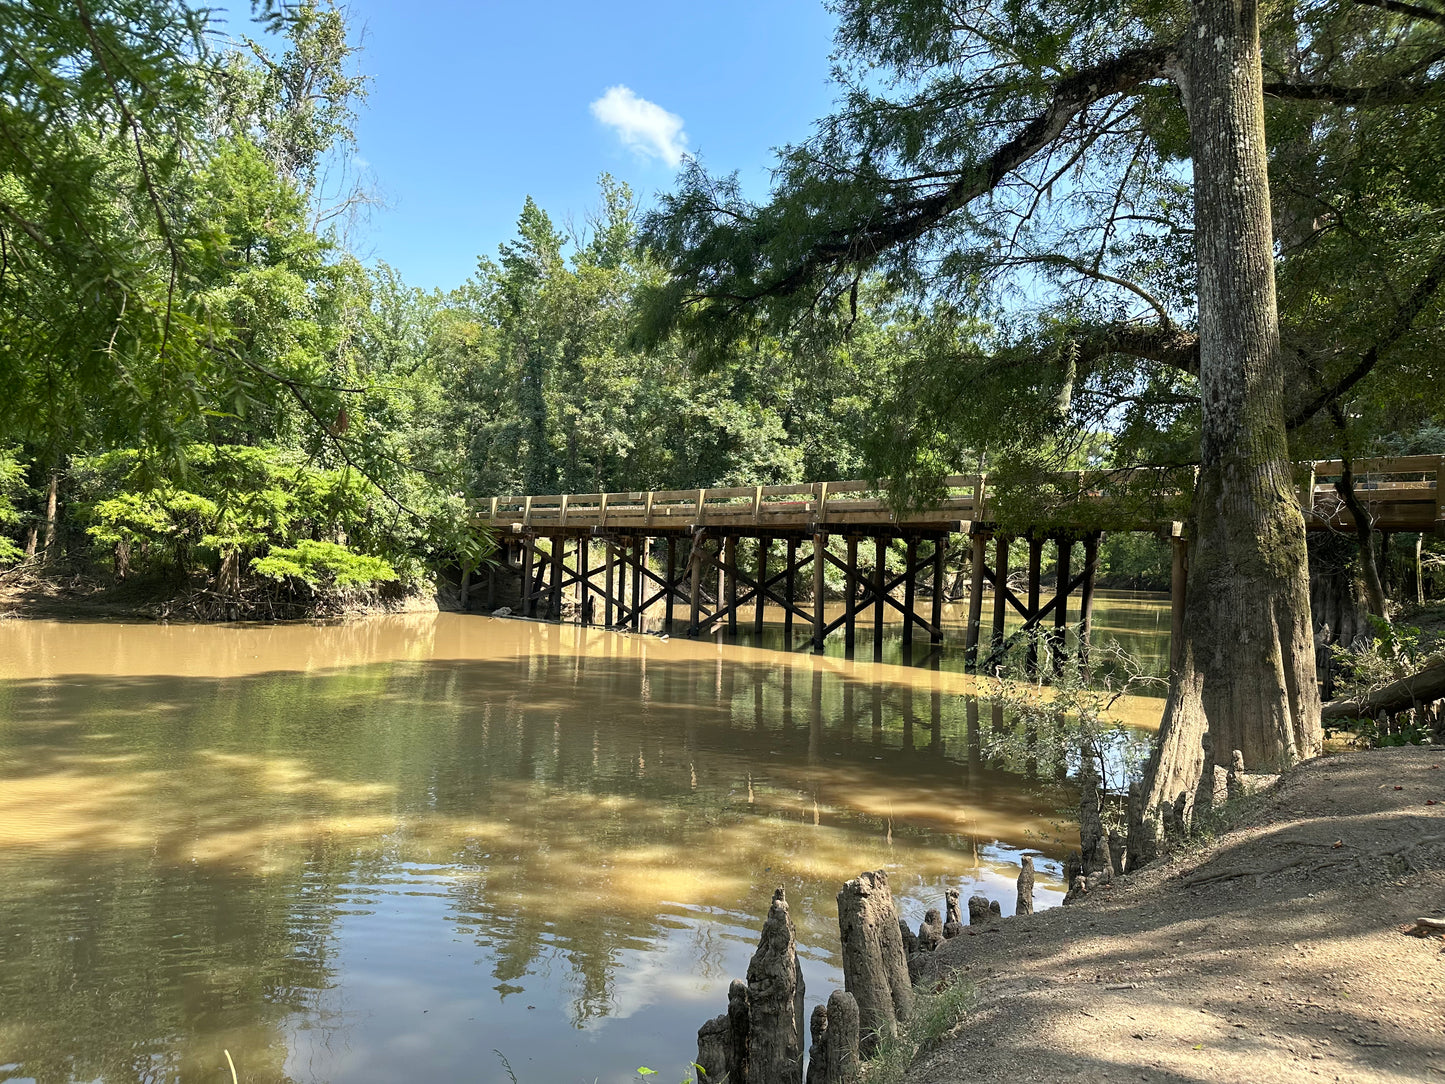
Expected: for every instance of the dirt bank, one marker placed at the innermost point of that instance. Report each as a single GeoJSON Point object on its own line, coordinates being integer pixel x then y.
{"type": "Point", "coordinates": [77, 596]}
{"type": "Point", "coordinates": [1276, 954]}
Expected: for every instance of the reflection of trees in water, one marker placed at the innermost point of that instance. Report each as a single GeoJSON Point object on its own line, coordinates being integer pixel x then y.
{"type": "Point", "coordinates": [567, 793]}
{"type": "Point", "coordinates": [142, 971]}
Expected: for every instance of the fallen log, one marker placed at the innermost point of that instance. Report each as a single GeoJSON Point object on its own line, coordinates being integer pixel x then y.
{"type": "Point", "coordinates": [1422, 687]}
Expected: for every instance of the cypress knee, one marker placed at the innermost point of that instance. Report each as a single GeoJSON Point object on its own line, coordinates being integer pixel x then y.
{"type": "Point", "coordinates": [1025, 904]}
{"type": "Point", "coordinates": [953, 922]}
{"type": "Point", "coordinates": [775, 1002]}
{"type": "Point", "coordinates": [843, 1038]}
{"type": "Point", "coordinates": [875, 971]}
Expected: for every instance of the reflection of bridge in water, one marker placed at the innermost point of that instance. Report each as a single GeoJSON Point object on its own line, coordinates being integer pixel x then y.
{"type": "Point", "coordinates": [548, 542]}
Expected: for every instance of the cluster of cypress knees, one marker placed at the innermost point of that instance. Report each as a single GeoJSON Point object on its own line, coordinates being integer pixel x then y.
{"type": "Point", "coordinates": [759, 1040]}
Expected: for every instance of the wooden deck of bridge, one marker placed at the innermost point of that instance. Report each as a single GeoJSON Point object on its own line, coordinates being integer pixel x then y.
{"type": "Point", "coordinates": [1403, 494]}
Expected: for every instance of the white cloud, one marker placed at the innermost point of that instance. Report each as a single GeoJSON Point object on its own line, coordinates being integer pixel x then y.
{"type": "Point", "coordinates": [644, 126]}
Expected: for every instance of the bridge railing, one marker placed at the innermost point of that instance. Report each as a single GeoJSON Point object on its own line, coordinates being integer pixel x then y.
{"type": "Point", "coordinates": [1402, 493]}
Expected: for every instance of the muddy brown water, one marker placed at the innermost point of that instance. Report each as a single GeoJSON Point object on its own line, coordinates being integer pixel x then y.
{"type": "Point", "coordinates": [405, 848]}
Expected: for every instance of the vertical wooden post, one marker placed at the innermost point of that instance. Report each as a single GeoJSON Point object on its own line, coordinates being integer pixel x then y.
{"type": "Point", "coordinates": [730, 573]}
{"type": "Point", "coordinates": [621, 562]}
{"type": "Point", "coordinates": [820, 546]}
{"type": "Point", "coordinates": [910, 558]}
{"type": "Point", "coordinates": [670, 575]}
{"type": "Point", "coordinates": [977, 558]}
{"type": "Point", "coordinates": [695, 559]}
{"type": "Point", "coordinates": [609, 557]}
{"type": "Point", "coordinates": [880, 569]}
{"type": "Point", "coordinates": [639, 566]}
{"type": "Point", "coordinates": [527, 544]}
{"type": "Point", "coordinates": [940, 569]}
{"type": "Point", "coordinates": [492, 581]}
{"type": "Point", "coordinates": [584, 578]}
{"type": "Point", "coordinates": [1000, 595]}
{"type": "Point", "coordinates": [1063, 562]}
{"type": "Point", "coordinates": [1179, 581]}
{"type": "Point", "coordinates": [850, 598]}
{"type": "Point", "coordinates": [790, 593]}
{"type": "Point", "coordinates": [763, 544]}
{"type": "Point", "coordinates": [1036, 558]}
{"type": "Point", "coordinates": [554, 600]}
{"type": "Point", "coordinates": [1086, 595]}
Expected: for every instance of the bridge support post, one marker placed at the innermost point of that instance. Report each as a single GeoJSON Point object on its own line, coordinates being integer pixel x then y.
{"type": "Point", "coordinates": [1036, 558]}
{"type": "Point", "coordinates": [608, 554]}
{"type": "Point", "coordinates": [639, 565]}
{"type": "Point", "coordinates": [694, 615]}
{"type": "Point", "coordinates": [1063, 560]}
{"type": "Point", "coordinates": [850, 598]}
{"type": "Point", "coordinates": [880, 569]}
{"type": "Point", "coordinates": [790, 593]}
{"type": "Point", "coordinates": [910, 558]}
{"type": "Point", "coordinates": [1086, 596]}
{"type": "Point", "coordinates": [763, 543]}
{"type": "Point", "coordinates": [528, 546]}
{"type": "Point", "coordinates": [820, 547]}
{"type": "Point", "coordinates": [670, 575]}
{"type": "Point", "coordinates": [584, 581]}
{"type": "Point", "coordinates": [554, 600]}
{"type": "Point", "coordinates": [730, 578]}
{"type": "Point", "coordinates": [977, 557]}
{"type": "Point", "coordinates": [1000, 594]}
{"type": "Point", "coordinates": [940, 569]}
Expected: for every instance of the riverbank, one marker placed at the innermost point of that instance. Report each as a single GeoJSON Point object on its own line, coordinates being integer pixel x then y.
{"type": "Point", "coordinates": [67, 595]}
{"type": "Point", "coordinates": [1276, 953]}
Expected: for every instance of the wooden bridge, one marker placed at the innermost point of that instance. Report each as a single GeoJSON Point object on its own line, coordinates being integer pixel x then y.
{"type": "Point", "coordinates": [697, 532]}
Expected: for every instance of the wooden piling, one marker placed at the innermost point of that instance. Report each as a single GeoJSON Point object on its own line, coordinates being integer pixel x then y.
{"type": "Point", "coordinates": [730, 576]}
{"type": "Point", "coordinates": [1086, 595]}
{"type": "Point", "coordinates": [554, 598]}
{"type": "Point", "coordinates": [1036, 558]}
{"type": "Point", "coordinates": [977, 558]}
{"type": "Point", "coordinates": [1063, 560]}
{"type": "Point", "coordinates": [910, 558]}
{"type": "Point", "coordinates": [527, 546]}
{"type": "Point", "coordinates": [584, 580]}
{"type": "Point", "coordinates": [763, 544]}
{"type": "Point", "coordinates": [820, 547]}
{"type": "Point", "coordinates": [940, 563]}
{"type": "Point", "coordinates": [880, 569]}
{"type": "Point", "coordinates": [790, 593]}
{"type": "Point", "coordinates": [1000, 596]}
{"type": "Point", "coordinates": [639, 567]}
{"type": "Point", "coordinates": [850, 597]}
{"type": "Point", "coordinates": [670, 575]}
{"type": "Point", "coordinates": [609, 559]}
{"type": "Point", "coordinates": [695, 559]}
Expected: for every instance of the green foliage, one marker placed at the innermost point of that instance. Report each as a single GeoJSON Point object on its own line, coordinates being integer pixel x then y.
{"type": "Point", "coordinates": [264, 508]}
{"type": "Point", "coordinates": [12, 491]}
{"type": "Point", "coordinates": [1394, 651]}
{"type": "Point", "coordinates": [323, 564]}
{"type": "Point", "coordinates": [1053, 727]}
{"type": "Point", "coordinates": [935, 1014]}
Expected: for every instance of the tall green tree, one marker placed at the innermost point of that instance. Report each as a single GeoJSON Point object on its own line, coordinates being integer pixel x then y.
{"type": "Point", "coordinates": [1049, 149]}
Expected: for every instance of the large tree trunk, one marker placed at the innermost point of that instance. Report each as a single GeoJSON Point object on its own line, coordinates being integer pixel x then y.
{"type": "Point", "coordinates": [1246, 669]}
{"type": "Point", "coordinates": [52, 496]}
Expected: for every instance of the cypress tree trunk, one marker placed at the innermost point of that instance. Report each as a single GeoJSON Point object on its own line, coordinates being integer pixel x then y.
{"type": "Point", "coordinates": [1246, 669]}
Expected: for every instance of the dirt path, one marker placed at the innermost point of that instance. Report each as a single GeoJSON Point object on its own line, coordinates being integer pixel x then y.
{"type": "Point", "coordinates": [1198, 971]}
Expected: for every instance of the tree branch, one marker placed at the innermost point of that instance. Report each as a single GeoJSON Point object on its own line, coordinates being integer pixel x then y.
{"type": "Point", "coordinates": [1404, 319]}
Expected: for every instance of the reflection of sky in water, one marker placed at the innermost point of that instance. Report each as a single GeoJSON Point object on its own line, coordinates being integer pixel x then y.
{"type": "Point", "coordinates": [379, 851]}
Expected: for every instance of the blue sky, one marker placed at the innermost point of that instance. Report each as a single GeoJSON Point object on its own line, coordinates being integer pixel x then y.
{"type": "Point", "coordinates": [474, 106]}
